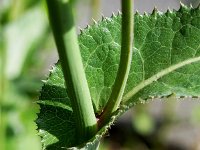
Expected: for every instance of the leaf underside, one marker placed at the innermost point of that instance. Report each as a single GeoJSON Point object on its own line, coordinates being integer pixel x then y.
{"type": "Point", "coordinates": [165, 60]}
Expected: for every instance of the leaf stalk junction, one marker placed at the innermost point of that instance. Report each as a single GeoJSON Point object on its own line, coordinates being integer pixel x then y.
{"type": "Point", "coordinates": [124, 65]}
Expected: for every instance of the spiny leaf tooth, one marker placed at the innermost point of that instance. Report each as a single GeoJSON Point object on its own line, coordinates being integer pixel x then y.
{"type": "Point", "coordinates": [137, 13]}
{"type": "Point", "coordinates": [162, 97]}
{"type": "Point", "coordinates": [157, 97]}
{"type": "Point", "coordinates": [103, 17]}
{"type": "Point", "coordinates": [151, 97]}
{"type": "Point", "coordinates": [182, 7]}
{"type": "Point", "coordinates": [113, 15]}
{"type": "Point", "coordinates": [106, 132]}
{"type": "Point", "coordinates": [108, 19]}
{"type": "Point", "coordinates": [155, 11]}
{"type": "Point", "coordinates": [131, 104]}
{"type": "Point", "coordinates": [37, 129]}
{"type": "Point", "coordinates": [168, 11]}
{"type": "Point", "coordinates": [81, 30]}
{"type": "Point", "coordinates": [182, 96]}
{"type": "Point", "coordinates": [124, 107]}
{"type": "Point", "coordinates": [191, 6]}
{"type": "Point", "coordinates": [110, 124]}
{"type": "Point", "coordinates": [195, 97]}
{"type": "Point", "coordinates": [119, 12]}
{"type": "Point", "coordinates": [145, 13]}
{"type": "Point", "coordinates": [94, 21]}
{"type": "Point", "coordinates": [181, 4]}
{"type": "Point", "coordinates": [113, 117]}
{"type": "Point", "coordinates": [142, 101]}
{"type": "Point", "coordinates": [51, 70]}
{"type": "Point", "coordinates": [120, 111]}
{"type": "Point", "coordinates": [97, 136]}
{"type": "Point", "coordinates": [88, 26]}
{"type": "Point", "coordinates": [44, 81]}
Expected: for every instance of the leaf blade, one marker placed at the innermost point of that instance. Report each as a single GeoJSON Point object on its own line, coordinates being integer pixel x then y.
{"type": "Point", "coordinates": [161, 41]}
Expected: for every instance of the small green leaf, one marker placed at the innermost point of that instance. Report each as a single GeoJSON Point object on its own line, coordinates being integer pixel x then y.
{"type": "Point", "coordinates": [166, 60]}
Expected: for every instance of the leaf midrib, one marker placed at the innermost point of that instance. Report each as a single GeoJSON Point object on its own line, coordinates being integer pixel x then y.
{"type": "Point", "coordinates": [157, 76]}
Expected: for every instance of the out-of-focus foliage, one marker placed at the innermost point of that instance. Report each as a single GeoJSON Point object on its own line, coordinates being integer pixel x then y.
{"type": "Point", "coordinates": [195, 116]}
{"type": "Point", "coordinates": [18, 114]}
{"type": "Point", "coordinates": [142, 121]}
{"type": "Point", "coordinates": [22, 37]}
{"type": "Point", "coordinates": [23, 31]}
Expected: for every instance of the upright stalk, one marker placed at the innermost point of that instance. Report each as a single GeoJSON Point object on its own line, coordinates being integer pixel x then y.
{"type": "Point", "coordinates": [2, 91]}
{"type": "Point", "coordinates": [62, 22]}
{"type": "Point", "coordinates": [2, 65]}
{"type": "Point", "coordinates": [124, 65]}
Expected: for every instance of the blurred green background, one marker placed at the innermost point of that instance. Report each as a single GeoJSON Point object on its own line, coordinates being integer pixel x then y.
{"type": "Point", "coordinates": [27, 52]}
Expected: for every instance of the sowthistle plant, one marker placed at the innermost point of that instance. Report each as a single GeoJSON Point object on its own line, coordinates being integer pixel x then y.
{"type": "Point", "coordinates": [101, 73]}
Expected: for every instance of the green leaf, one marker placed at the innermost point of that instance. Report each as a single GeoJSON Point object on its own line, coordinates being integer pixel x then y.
{"type": "Point", "coordinates": [165, 61]}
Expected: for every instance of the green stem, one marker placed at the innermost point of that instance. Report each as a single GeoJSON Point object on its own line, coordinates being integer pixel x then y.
{"type": "Point", "coordinates": [62, 22]}
{"type": "Point", "coordinates": [2, 65]}
{"type": "Point", "coordinates": [2, 72]}
{"type": "Point", "coordinates": [2, 91]}
{"type": "Point", "coordinates": [125, 62]}
{"type": "Point", "coordinates": [2, 130]}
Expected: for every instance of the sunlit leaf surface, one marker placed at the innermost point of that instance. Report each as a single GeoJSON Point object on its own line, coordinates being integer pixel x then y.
{"type": "Point", "coordinates": [166, 57]}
